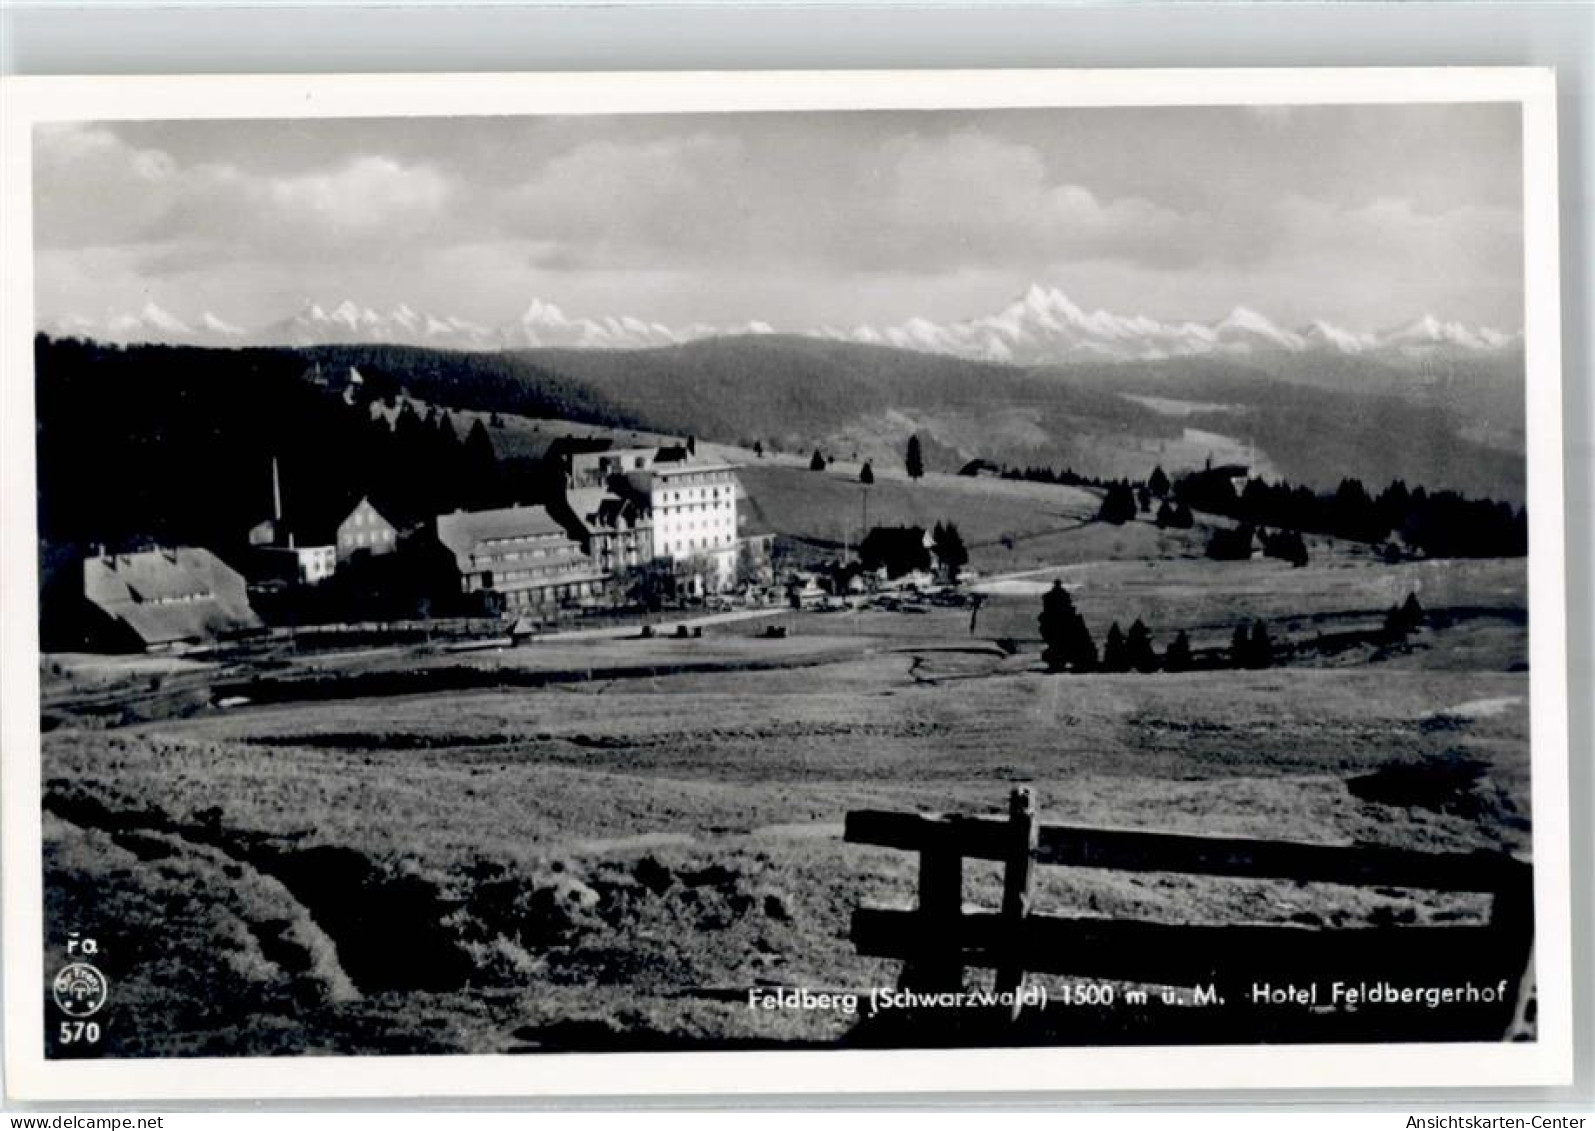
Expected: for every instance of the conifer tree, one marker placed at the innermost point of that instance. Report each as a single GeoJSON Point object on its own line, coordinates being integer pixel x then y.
{"type": "Point", "coordinates": [1069, 646]}
{"type": "Point", "coordinates": [1260, 647]}
{"type": "Point", "coordinates": [914, 461]}
{"type": "Point", "coordinates": [1115, 656]}
{"type": "Point", "coordinates": [480, 467]}
{"type": "Point", "coordinates": [949, 548]}
{"type": "Point", "coordinates": [1240, 646]}
{"type": "Point", "coordinates": [1178, 656]}
{"type": "Point", "coordinates": [1118, 505]}
{"type": "Point", "coordinates": [1138, 648]}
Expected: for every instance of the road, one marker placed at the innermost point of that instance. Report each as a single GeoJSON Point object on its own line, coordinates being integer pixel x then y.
{"type": "Point", "coordinates": [623, 631]}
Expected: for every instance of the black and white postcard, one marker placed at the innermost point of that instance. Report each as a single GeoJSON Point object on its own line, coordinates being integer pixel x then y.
{"type": "Point", "coordinates": [783, 582]}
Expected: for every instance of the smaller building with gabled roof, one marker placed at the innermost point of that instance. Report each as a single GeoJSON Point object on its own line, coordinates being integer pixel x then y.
{"type": "Point", "coordinates": [365, 531]}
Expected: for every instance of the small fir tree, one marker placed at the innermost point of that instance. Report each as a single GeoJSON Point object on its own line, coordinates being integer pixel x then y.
{"type": "Point", "coordinates": [1178, 656]}
{"type": "Point", "coordinates": [1138, 648]}
{"type": "Point", "coordinates": [1115, 655]}
{"type": "Point", "coordinates": [914, 461]}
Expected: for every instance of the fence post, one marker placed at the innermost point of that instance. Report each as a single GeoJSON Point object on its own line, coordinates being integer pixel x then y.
{"type": "Point", "coordinates": [1512, 914]}
{"type": "Point", "coordinates": [941, 906]}
{"type": "Point", "coordinates": [1017, 881]}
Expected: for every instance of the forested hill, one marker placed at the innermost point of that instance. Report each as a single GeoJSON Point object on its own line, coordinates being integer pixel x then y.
{"type": "Point", "coordinates": [1313, 425]}
{"type": "Point", "coordinates": [179, 437]}
{"type": "Point", "coordinates": [795, 390]}
{"type": "Point", "coordinates": [787, 390]}
{"type": "Point", "coordinates": [176, 444]}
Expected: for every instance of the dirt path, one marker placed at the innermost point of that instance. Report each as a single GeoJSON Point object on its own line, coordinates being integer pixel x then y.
{"type": "Point", "coordinates": [620, 632]}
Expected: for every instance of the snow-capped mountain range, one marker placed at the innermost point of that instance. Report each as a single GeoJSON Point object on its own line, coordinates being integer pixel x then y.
{"type": "Point", "coordinates": [1042, 326]}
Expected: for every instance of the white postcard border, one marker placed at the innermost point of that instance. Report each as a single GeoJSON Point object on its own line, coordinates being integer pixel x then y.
{"type": "Point", "coordinates": [1547, 1061]}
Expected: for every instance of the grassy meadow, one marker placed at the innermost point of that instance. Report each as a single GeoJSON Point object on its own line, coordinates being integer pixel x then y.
{"type": "Point", "coordinates": [603, 842]}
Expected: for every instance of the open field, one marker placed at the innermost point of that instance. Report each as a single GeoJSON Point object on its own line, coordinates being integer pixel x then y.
{"type": "Point", "coordinates": [603, 843]}
{"type": "Point", "coordinates": [1006, 524]}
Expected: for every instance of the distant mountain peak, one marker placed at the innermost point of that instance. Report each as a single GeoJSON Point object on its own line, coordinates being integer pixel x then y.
{"type": "Point", "coordinates": [214, 325]}
{"type": "Point", "coordinates": [1041, 325]}
{"type": "Point", "coordinates": [1321, 333]}
{"type": "Point", "coordinates": [542, 313]}
{"type": "Point", "coordinates": [154, 315]}
{"type": "Point", "coordinates": [1245, 325]}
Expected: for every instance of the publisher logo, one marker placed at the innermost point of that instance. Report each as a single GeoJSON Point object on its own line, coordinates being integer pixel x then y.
{"type": "Point", "coordinates": [79, 990]}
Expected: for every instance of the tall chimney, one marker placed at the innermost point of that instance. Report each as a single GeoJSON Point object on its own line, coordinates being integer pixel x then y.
{"type": "Point", "coordinates": [276, 493]}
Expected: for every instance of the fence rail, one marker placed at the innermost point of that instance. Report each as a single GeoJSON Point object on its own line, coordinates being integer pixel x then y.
{"type": "Point", "coordinates": [938, 939]}
{"type": "Point", "coordinates": [1124, 850]}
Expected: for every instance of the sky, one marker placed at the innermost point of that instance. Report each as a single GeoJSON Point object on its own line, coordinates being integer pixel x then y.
{"type": "Point", "coordinates": [1364, 216]}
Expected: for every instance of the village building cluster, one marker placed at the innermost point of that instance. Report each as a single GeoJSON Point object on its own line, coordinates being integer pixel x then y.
{"type": "Point", "coordinates": [618, 510]}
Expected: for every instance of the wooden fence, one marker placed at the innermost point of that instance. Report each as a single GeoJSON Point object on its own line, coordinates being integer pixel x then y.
{"type": "Point", "coordinates": [938, 939]}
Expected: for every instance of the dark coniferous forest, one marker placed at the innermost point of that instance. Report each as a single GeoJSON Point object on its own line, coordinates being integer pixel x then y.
{"type": "Point", "coordinates": [175, 445]}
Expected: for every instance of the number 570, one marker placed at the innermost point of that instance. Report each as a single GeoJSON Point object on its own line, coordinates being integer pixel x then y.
{"type": "Point", "coordinates": [80, 1032]}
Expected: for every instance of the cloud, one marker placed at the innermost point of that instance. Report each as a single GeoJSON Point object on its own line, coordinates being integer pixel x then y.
{"type": "Point", "coordinates": [979, 197]}
{"type": "Point", "coordinates": [1263, 206]}
{"type": "Point", "coordinates": [916, 203]}
{"type": "Point", "coordinates": [604, 203]}
{"type": "Point", "coordinates": [365, 195]}
{"type": "Point", "coordinates": [97, 190]}
{"type": "Point", "coordinates": [1389, 241]}
{"type": "Point", "coordinates": [93, 189]}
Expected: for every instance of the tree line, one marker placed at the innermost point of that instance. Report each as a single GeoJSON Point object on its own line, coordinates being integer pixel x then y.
{"type": "Point", "coordinates": [1069, 647]}
{"type": "Point", "coordinates": [1440, 523]}
{"type": "Point", "coordinates": [152, 444]}
{"type": "Point", "coordinates": [903, 549]}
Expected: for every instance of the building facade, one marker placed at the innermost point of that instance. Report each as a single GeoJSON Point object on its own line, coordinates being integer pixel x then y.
{"type": "Point", "coordinates": [587, 470]}
{"type": "Point", "coordinates": [365, 531]}
{"type": "Point", "coordinates": [694, 508]}
{"type": "Point", "coordinates": [615, 531]}
{"type": "Point", "coordinates": [295, 565]}
{"type": "Point", "coordinates": [517, 559]}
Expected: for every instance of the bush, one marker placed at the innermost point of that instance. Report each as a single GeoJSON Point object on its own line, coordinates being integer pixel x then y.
{"type": "Point", "coordinates": [1404, 618]}
{"type": "Point", "coordinates": [1231, 545]}
{"type": "Point", "coordinates": [1286, 545]}
{"type": "Point", "coordinates": [1177, 516]}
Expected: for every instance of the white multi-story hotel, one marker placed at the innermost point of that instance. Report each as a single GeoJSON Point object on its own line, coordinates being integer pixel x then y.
{"type": "Point", "coordinates": [689, 503]}
{"type": "Point", "coordinates": [694, 508]}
